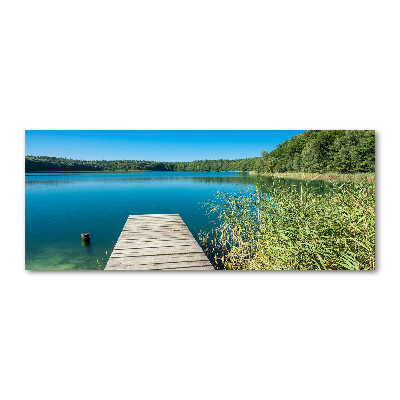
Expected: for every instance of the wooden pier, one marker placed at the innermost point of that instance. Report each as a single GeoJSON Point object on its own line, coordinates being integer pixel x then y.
{"type": "Point", "coordinates": [157, 241]}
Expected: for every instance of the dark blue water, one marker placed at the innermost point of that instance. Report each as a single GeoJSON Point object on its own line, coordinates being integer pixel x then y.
{"type": "Point", "coordinates": [61, 206]}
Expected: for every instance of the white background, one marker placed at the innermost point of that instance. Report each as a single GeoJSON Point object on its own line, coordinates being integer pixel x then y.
{"type": "Point", "coordinates": [199, 65]}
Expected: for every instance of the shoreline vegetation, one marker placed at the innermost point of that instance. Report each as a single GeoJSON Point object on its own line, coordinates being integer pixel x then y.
{"type": "Point", "coordinates": [59, 164]}
{"type": "Point", "coordinates": [311, 176]}
{"type": "Point", "coordinates": [294, 228]}
{"type": "Point", "coordinates": [122, 170]}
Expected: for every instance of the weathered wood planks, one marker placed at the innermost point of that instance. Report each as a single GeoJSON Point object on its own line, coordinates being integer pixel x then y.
{"type": "Point", "coordinates": [157, 242]}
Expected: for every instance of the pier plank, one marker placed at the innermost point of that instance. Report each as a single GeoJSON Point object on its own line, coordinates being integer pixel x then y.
{"type": "Point", "coordinates": [165, 265]}
{"type": "Point", "coordinates": [158, 259]}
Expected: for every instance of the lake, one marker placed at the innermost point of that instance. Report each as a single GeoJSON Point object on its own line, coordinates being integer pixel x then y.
{"type": "Point", "coordinates": [61, 206]}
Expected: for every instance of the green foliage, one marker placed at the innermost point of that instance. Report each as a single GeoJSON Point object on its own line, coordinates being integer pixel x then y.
{"type": "Point", "coordinates": [292, 228]}
{"type": "Point", "coordinates": [44, 163]}
{"type": "Point", "coordinates": [323, 152]}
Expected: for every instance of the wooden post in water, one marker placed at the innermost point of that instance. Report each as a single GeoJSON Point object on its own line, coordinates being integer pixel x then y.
{"type": "Point", "coordinates": [85, 239]}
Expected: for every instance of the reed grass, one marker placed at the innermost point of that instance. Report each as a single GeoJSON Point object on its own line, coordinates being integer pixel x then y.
{"type": "Point", "coordinates": [332, 176]}
{"type": "Point", "coordinates": [294, 228]}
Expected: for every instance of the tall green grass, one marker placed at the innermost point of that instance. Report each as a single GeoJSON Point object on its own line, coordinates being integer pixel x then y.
{"type": "Point", "coordinates": [331, 176]}
{"type": "Point", "coordinates": [294, 228]}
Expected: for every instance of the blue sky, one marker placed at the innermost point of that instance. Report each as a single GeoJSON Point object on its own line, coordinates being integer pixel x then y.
{"type": "Point", "coordinates": [180, 145]}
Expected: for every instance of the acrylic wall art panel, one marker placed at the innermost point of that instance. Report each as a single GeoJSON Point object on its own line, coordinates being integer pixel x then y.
{"type": "Point", "coordinates": [200, 200]}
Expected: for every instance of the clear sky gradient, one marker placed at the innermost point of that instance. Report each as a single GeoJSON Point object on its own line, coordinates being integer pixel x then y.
{"type": "Point", "coordinates": [169, 145]}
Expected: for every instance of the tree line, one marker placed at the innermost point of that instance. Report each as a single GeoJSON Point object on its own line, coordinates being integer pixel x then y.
{"type": "Point", "coordinates": [45, 163]}
{"type": "Point", "coordinates": [321, 151]}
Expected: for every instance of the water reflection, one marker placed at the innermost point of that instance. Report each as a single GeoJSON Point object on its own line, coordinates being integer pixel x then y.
{"type": "Point", "coordinates": [137, 177]}
{"type": "Point", "coordinates": [266, 183]}
{"type": "Point", "coordinates": [55, 182]}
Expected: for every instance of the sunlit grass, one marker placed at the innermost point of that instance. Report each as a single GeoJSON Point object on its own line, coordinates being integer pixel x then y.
{"type": "Point", "coordinates": [294, 228]}
{"type": "Point", "coordinates": [332, 176]}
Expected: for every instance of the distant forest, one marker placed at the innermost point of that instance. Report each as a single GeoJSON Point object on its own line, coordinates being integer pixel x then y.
{"type": "Point", "coordinates": [318, 151]}
{"type": "Point", "coordinates": [45, 163]}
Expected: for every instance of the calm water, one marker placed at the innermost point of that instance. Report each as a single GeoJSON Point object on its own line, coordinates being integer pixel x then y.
{"type": "Point", "coordinates": [61, 206]}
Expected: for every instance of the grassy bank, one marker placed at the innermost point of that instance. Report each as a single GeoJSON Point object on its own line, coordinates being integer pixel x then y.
{"type": "Point", "coordinates": [291, 228]}
{"type": "Point", "coordinates": [328, 176]}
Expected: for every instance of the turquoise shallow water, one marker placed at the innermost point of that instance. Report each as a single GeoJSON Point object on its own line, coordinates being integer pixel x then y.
{"type": "Point", "coordinates": [61, 206]}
